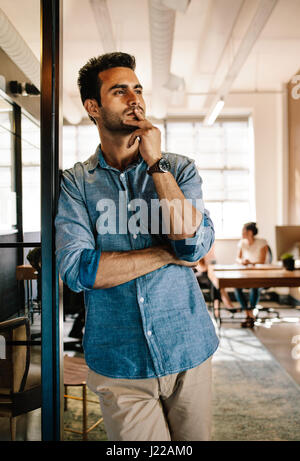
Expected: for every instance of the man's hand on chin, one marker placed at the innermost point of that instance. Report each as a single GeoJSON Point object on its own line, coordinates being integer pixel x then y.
{"type": "Point", "coordinates": [149, 135]}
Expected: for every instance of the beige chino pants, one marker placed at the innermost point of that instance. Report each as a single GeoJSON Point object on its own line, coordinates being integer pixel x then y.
{"type": "Point", "coordinates": [174, 407]}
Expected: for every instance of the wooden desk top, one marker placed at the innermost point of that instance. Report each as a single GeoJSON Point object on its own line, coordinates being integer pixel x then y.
{"type": "Point", "coordinates": [26, 272]}
{"type": "Point", "coordinates": [254, 278]}
{"type": "Point", "coordinates": [241, 267]}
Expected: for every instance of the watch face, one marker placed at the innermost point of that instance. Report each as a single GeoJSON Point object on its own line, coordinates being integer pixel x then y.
{"type": "Point", "coordinates": [164, 165]}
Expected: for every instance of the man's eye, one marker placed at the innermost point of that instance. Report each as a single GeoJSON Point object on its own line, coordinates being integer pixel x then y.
{"type": "Point", "coordinates": [120, 92]}
{"type": "Point", "coordinates": [138, 91]}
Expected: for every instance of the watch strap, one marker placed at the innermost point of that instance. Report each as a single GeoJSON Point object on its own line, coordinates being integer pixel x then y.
{"type": "Point", "coordinates": [154, 168]}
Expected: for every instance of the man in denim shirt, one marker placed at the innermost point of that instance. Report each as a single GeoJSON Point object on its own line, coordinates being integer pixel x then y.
{"type": "Point", "coordinates": [130, 226]}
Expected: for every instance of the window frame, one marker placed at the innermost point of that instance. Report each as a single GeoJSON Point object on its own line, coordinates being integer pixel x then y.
{"type": "Point", "coordinates": [251, 189]}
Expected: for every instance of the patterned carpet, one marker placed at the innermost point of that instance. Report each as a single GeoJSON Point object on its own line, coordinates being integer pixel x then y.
{"type": "Point", "coordinates": [254, 398]}
{"type": "Point", "coordinates": [73, 416]}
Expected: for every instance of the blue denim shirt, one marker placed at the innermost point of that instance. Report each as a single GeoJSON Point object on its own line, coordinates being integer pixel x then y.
{"type": "Point", "coordinates": [156, 324]}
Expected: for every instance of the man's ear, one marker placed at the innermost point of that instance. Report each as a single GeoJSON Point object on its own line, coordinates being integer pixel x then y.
{"type": "Point", "coordinates": [92, 107]}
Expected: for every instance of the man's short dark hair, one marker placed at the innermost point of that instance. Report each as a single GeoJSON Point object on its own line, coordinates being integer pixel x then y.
{"type": "Point", "coordinates": [89, 82]}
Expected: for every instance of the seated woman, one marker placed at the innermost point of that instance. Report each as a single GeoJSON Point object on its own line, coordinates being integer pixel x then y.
{"type": "Point", "coordinates": [251, 250]}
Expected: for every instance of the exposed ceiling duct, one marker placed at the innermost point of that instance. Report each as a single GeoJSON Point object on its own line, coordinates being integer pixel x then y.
{"type": "Point", "coordinates": [263, 13]}
{"type": "Point", "coordinates": [178, 5]}
{"type": "Point", "coordinates": [104, 24]}
{"type": "Point", "coordinates": [162, 24]}
{"type": "Point", "coordinates": [19, 52]}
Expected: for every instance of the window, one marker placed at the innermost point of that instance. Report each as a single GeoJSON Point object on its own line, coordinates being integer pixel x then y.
{"type": "Point", "coordinates": [223, 155]}
{"type": "Point", "coordinates": [31, 181]}
{"type": "Point", "coordinates": [7, 189]}
{"type": "Point", "coordinates": [79, 143]}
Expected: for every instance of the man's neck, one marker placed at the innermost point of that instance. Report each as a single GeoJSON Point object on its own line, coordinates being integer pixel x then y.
{"type": "Point", "coordinates": [115, 149]}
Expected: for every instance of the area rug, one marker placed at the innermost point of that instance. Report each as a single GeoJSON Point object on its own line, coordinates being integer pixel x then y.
{"type": "Point", "coordinates": [254, 398]}
{"type": "Point", "coordinates": [73, 416]}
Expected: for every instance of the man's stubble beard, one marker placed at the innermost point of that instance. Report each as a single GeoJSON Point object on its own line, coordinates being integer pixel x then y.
{"type": "Point", "coordinates": [114, 123]}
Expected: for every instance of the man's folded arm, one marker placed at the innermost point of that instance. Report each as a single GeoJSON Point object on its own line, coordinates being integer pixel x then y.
{"type": "Point", "coordinates": [75, 241]}
{"type": "Point", "coordinates": [198, 245]}
{"type": "Point", "coordinates": [82, 266]}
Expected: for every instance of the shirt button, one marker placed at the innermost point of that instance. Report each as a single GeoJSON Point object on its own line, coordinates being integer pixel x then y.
{"type": "Point", "coordinates": [122, 175]}
{"type": "Point", "coordinates": [142, 299]}
{"type": "Point", "coordinates": [134, 236]}
{"type": "Point", "coordinates": [149, 332]}
{"type": "Point", "coordinates": [129, 206]}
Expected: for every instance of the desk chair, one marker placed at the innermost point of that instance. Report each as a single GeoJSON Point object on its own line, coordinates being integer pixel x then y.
{"type": "Point", "coordinates": [26, 273]}
{"type": "Point", "coordinates": [20, 381]}
{"type": "Point", "coordinates": [260, 308]}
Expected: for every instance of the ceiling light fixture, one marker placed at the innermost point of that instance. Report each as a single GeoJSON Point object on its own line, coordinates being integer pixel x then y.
{"type": "Point", "coordinates": [214, 113]}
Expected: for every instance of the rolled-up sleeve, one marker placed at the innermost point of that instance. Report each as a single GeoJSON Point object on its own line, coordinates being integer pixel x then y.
{"type": "Point", "coordinates": [196, 247]}
{"type": "Point", "coordinates": [76, 252]}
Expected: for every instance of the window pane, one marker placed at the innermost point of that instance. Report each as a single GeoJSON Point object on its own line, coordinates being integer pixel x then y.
{"type": "Point", "coordinates": [180, 138]}
{"type": "Point", "coordinates": [30, 131]}
{"type": "Point", "coordinates": [213, 185]}
{"type": "Point", "coordinates": [7, 193]}
{"type": "Point", "coordinates": [31, 175]}
{"type": "Point", "coordinates": [216, 213]}
{"type": "Point", "coordinates": [5, 115]}
{"type": "Point", "coordinates": [5, 147]}
{"type": "Point", "coordinates": [236, 185]}
{"type": "Point", "coordinates": [7, 200]}
{"type": "Point", "coordinates": [235, 216]}
{"type": "Point", "coordinates": [30, 154]}
{"type": "Point", "coordinates": [161, 127]}
{"type": "Point", "coordinates": [87, 141]}
{"type": "Point", "coordinates": [209, 139]}
{"type": "Point", "coordinates": [79, 143]}
{"type": "Point", "coordinates": [222, 153]}
{"type": "Point", "coordinates": [31, 199]}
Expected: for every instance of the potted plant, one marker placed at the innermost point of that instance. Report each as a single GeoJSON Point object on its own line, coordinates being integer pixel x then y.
{"type": "Point", "coordinates": [288, 261]}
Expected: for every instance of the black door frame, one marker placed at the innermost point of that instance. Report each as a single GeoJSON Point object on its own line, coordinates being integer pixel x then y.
{"type": "Point", "coordinates": [51, 127]}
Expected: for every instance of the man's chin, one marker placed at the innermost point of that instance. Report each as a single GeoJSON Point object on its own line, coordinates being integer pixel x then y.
{"type": "Point", "coordinates": [128, 129]}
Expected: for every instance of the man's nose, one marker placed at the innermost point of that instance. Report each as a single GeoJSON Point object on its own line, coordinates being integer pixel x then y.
{"type": "Point", "coordinates": [133, 99]}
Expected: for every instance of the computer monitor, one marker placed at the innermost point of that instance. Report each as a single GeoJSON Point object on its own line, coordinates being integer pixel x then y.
{"type": "Point", "coordinates": [286, 239]}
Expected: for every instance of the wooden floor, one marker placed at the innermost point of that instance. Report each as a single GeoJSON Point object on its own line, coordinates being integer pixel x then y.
{"type": "Point", "coordinates": [282, 338]}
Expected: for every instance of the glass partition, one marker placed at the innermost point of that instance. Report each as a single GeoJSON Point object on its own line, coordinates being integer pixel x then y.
{"type": "Point", "coordinates": [31, 181]}
{"type": "Point", "coordinates": [7, 183]}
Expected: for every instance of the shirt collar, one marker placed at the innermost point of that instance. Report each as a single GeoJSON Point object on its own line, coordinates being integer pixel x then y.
{"type": "Point", "coordinates": [98, 159]}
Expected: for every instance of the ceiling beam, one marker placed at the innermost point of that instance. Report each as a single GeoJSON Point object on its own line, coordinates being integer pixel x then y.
{"type": "Point", "coordinates": [104, 25]}
{"type": "Point", "coordinates": [263, 13]}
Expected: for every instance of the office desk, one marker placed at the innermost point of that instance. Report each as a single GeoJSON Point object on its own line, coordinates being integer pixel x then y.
{"type": "Point", "coordinates": [254, 277]}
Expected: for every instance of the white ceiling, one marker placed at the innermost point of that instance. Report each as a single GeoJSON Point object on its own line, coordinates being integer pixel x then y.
{"type": "Point", "coordinates": [206, 39]}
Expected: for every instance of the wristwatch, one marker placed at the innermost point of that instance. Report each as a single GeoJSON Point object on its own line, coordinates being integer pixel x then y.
{"type": "Point", "coordinates": [161, 166]}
